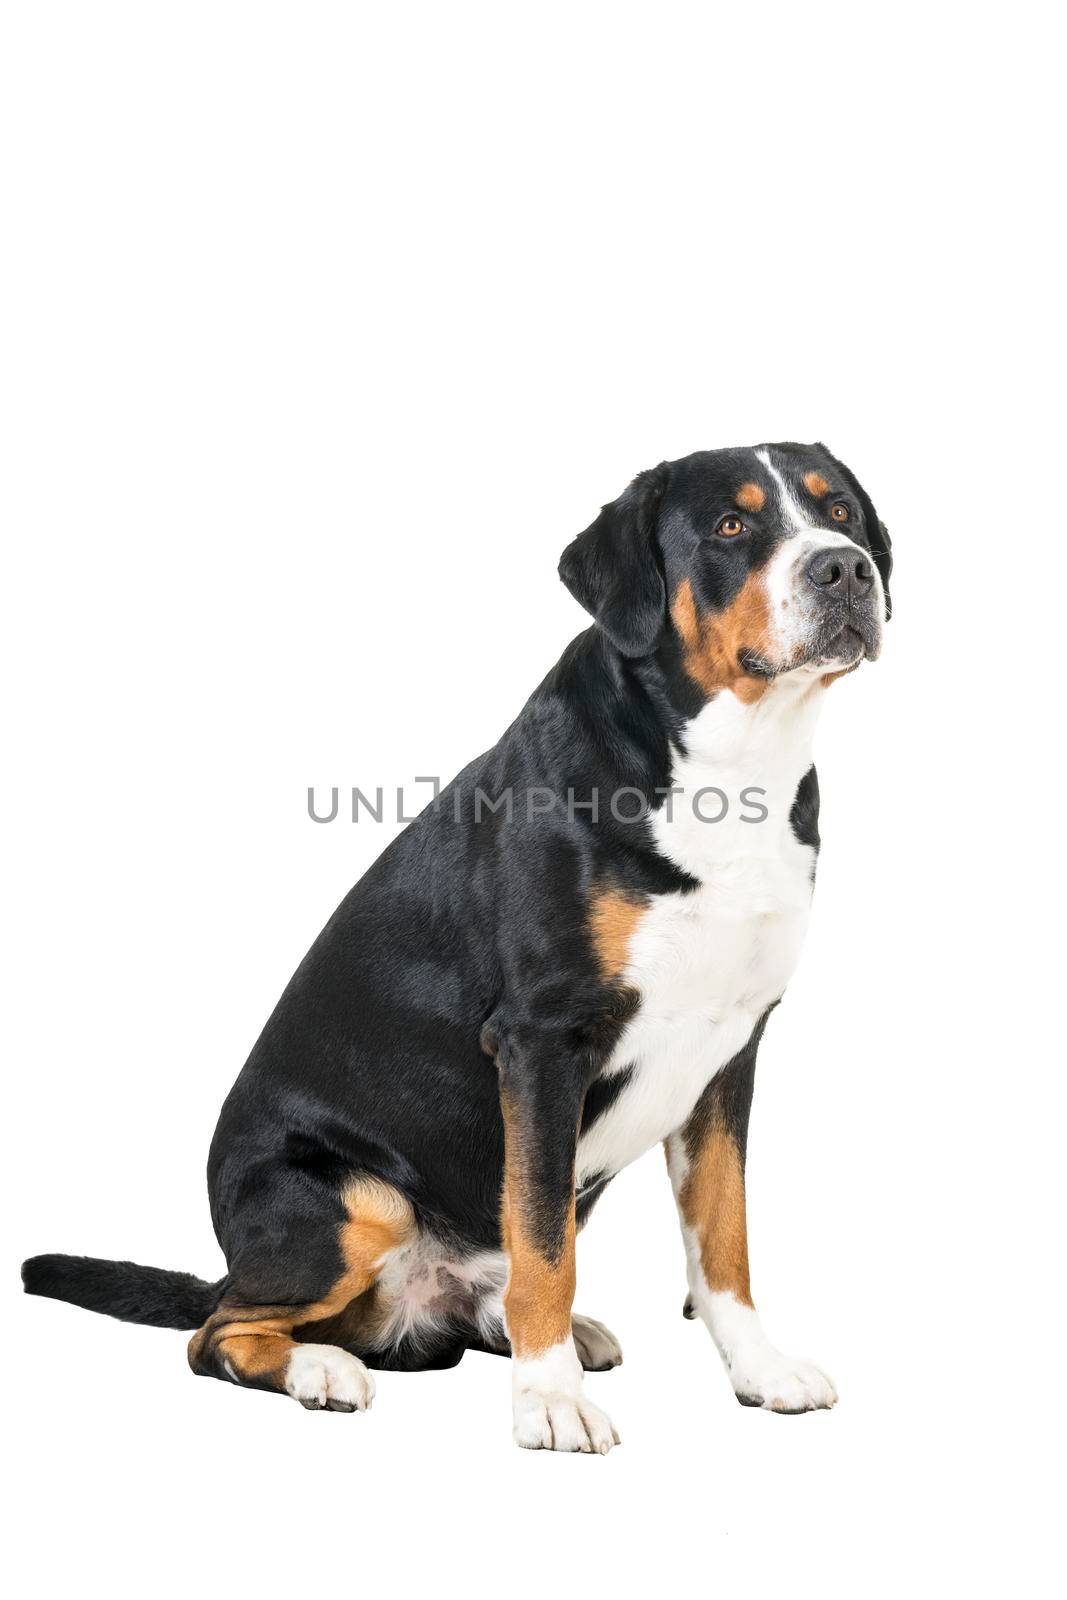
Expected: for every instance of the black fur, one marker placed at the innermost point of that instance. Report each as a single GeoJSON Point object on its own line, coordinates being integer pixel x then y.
{"type": "Point", "coordinates": [613, 568]}
{"type": "Point", "coordinates": [122, 1289]}
{"type": "Point", "coordinates": [877, 533]}
{"type": "Point", "coordinates": [727, 1100]}
{"type": "Point", "coordinates": [804, 816]}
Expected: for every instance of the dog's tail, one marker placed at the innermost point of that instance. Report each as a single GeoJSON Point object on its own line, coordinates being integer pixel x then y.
{"type": "Point", "coordinates": [148, 1295]}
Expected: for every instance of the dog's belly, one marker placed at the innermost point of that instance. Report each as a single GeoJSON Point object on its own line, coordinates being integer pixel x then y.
{"type": "Point", "coordinates": [705, 974]}
{"type": "Point", "coordinates": [425, 1287]}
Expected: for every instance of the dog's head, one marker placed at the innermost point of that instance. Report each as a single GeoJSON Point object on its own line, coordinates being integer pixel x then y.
{"type": "Point", "coordinates": [755, 563]}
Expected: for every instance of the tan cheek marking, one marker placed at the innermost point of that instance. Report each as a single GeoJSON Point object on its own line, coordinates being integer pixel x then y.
{"type": "Point", "coordinates": [540, 1291]}
{"type": "Point", "coordinates": [816, 484]}
{"type": "Point", "coordinates": [613, 918]}
{"type": "Point", "coordinates": [750, 497]}
{"type": "Point", "coordinates": [712, 644]}
{"type": "Point", "coordinates": [713, 1204]}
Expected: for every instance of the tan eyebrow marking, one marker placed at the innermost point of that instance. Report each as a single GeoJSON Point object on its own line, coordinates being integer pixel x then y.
{"type": "Point", "coordinates": [750, 497]}
{"type": "Point", "coordinates": [816, 484]}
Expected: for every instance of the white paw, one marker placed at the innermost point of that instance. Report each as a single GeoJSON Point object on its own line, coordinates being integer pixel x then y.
{"type": "Point", "coordinates": [762, 1376]}
{"type": "Point", "coordinates": [561, 1422]}
{"type": "Point", "coordinates": [597, 1347]}
{"type": "Point", "coordinates": [322, 1377]}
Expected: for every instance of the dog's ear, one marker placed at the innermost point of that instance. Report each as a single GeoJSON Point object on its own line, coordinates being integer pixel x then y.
{"type": "Point", "coordinates": [613, 568]}
{"type": "Point", "coordinates": [882, 551]}
{"type": "Point", "coordinates": [877, 532]}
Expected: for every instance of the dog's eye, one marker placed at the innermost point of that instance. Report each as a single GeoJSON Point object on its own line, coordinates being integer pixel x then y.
{"type": "Point", "coordinates": [839, 511]}
{"type": "Point", "coordinates": [730, 527]}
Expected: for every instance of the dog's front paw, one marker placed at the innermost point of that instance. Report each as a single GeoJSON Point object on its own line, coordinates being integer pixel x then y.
{"type": "Point", "coordinates": [561, 1422]}
{"type": "Point", "coordinates": [762, 1376]}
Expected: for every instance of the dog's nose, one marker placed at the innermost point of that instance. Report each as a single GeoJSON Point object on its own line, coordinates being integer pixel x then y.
{"type": "Point", "coordinates": [845, 574]}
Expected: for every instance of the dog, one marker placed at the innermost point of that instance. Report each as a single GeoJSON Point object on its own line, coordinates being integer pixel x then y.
{"type": "Point", "coordinates": [518, 999]}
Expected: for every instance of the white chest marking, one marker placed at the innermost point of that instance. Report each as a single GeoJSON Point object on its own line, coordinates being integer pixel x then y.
{"type": "Point", "coordinates": [708, 963]}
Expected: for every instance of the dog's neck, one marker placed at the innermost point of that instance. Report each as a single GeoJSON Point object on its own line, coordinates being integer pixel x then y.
{"type": "Point", "coordinates": [732, 730]}
{"type": "Point", "coordinates": [652, 727]}
{"type": "Point", "coordinates": [753, 721]}
{"type": "Point", "coordinates": [735, 773]}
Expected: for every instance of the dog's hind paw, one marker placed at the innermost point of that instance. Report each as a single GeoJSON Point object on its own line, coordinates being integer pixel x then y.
{"type": "Point", "coordinates": [325, 1378]}
{"type": "Point", "coordinates": [597, 1347]}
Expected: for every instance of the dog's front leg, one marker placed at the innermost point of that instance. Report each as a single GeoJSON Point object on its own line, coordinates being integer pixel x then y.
{"type": "Point", "coordinates": [706, 1161]}
{"type": "Point", "coordinates": [541, 1094]}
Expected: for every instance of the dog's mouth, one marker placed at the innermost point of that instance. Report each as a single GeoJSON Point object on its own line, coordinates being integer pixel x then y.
{"type": "Point", "coordinates": [846, 640]}
{"type": "Point", "coordinates": [846, 649]}
{"type": "Point", "coordinates": [838, 643]}
{"type": "Point", "coordinates": [833, 650]}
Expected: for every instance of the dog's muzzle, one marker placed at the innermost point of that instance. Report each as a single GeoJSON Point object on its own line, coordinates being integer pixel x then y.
{"type": "Point", "coordinates": [848, 604]}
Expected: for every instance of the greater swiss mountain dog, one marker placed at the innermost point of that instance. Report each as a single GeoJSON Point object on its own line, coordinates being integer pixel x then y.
{"type": "Point", "coordinates": [569, 957]}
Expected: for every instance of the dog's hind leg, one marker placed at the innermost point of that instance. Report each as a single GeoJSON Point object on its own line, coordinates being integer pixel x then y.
{"type": "Point", "coordinates": [267, 1330]}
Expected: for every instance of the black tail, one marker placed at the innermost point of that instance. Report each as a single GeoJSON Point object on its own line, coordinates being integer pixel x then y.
{"type": "Point", "coordinates": [122, 1289]}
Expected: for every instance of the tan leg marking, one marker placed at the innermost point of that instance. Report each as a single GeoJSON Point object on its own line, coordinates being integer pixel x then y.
{"type": "Point", "coordinates": [712, 1201]}
{"type": "Point", "coordinates": [254, 1357]}
{"type": "Point", "coordinates": [540, 1287]}
{"type": "Point", "coordinates": [258, 1340]}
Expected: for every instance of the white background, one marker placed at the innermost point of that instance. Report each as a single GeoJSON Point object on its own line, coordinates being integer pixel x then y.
{"type": "Point", "coordinates": [325, 328]}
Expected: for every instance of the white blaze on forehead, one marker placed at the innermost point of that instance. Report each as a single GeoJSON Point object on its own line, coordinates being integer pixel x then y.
{"type": "Point", "coordinates": [794, 513]}
{"type": "Point", "coordinates": [793, 604]}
